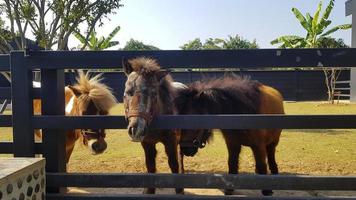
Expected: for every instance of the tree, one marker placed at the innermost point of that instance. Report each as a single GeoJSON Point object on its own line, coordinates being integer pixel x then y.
{"type": "Point", "coordinates": [316, 37]}
{"type": "Point", "coordinates": [195, 44]}
{"type": "Point", "coordinates": [237, 42]}
{"type": "Point", "coordinates": [95, 43]}
{"type": "Point", "coordinates": [53, 21]}
{"type": "Point", "coordinates": [135, 45]}
{"type": "Point", "coordinates": [232, 42]}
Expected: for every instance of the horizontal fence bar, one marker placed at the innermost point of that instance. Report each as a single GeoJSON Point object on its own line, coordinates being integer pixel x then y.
{"type": "Point", "coordinates": [342, 88]}
{"type": "Point", "coordinates": [342, 82]}
{"type": "Point", "coordinates": [5, 121]}
{"type": "Point", "coordinates": [245, 58]}
{"type": "Point", "coordinates": [4, 62]}
{"type": "Point", "coordinates": [203, 121]}
{"type": "Point", "coordinates": [342, 95]}
{"type": "Point", "coordinates": [176, 197]}
{"type": "Point", "coordinates": [5, 93]}
{"type": "Point", "coordinates": [218, 181]}
{"type": "Point", "coordinates": [7, 147]}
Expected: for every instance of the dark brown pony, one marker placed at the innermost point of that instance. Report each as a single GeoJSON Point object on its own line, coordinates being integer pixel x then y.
{"type": "Point", "coordinates": [233, 95]}
{"type": "Point", "coordinates": [149, 92]}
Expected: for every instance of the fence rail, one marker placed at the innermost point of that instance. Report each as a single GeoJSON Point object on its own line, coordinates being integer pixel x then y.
{"type": "Point", "coordinates": [53, 122]}
{"type": "Point", "coordinates": [245, 121]}
{"type": "Point", "coordinates": [245, 58]}
{"type": "Point", "coordinates": [218, 181]}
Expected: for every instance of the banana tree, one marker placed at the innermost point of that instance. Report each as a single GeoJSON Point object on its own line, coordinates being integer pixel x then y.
{"type": "Point", "coordinates": [315, 29]}
{"type": "Point", "coordinates": [95, 43]}
{"type": "Point", "coordinates": [317, 33]}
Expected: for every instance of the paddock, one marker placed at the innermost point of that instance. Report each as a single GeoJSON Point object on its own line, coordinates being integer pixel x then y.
{"type": "Point", "coordinates": [52, 65]}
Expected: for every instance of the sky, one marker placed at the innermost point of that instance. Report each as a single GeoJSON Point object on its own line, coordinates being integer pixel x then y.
{"type": "Point", "coordinates": [168, 24]}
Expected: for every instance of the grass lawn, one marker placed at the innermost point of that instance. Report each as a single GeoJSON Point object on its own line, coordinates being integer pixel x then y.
{"type": "Point", "coordinates": [321, 152]}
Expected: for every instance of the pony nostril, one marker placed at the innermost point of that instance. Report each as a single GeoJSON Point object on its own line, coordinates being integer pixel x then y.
{"type": "Point", "coordinates": [95, 146]}
{"type": "Point", "coordinates": [131, 131]}
{"type": "Point", "coordinates": [196, 143]}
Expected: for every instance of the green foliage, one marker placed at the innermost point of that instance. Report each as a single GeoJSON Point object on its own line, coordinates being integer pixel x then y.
{"type": "Point", "coordinates": [237, 42]}
{"type": "Point", "coordinates": [53, 21]}
{"type": "Point", "coordinates": [315, 28]}
{"type": "Point", "coordinates": [95, 43]}
{"type": "Point", "coordinates": [135, 45]}
{"type": "Point", "coordinates": [232, 42]}
{"type": "Point", "coordinates": [195, 44]}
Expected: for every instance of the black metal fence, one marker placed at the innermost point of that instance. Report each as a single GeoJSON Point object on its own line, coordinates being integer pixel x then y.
{"type": "Point", "coordinates": [53, 122]}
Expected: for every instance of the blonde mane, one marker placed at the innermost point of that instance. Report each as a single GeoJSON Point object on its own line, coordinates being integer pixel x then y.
{"type": "Point", "coordinates": [92, 89]}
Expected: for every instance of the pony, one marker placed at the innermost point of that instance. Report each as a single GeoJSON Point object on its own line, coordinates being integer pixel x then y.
{"type": "Point", "coordinates": [233, 95]}
{"type": "Point", "coordinates": [149, 91]}
{"type": "Point", "coordinates": [88, 97]}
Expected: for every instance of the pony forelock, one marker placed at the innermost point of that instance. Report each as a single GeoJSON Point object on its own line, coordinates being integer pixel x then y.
{"type": "Point", "coordinates": [92, 89]}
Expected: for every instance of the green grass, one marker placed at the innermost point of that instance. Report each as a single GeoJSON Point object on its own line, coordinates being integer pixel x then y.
{"type": "Point", "coordinates": [321, 152]}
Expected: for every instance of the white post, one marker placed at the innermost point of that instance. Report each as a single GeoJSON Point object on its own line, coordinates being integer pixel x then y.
{"type": "Point", "coordinates": [350, 9]}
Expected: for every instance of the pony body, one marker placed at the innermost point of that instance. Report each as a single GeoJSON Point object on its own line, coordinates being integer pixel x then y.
{"type": "Point", "coordinates": [148, 93]}
{"type": "Point", "coordinates": [233, 95]}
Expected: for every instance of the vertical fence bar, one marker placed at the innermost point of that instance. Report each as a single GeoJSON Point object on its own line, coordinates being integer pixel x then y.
{"type": "Point", "coordinates": [22, 106]}
{"type": "Point", "coordinates": [52, 85]}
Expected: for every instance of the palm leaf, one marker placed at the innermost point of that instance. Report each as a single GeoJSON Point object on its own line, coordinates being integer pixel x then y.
{"type": "Point", "coordinates": [80, 37]}
{"type": "Point", "coordinates": [110, 37]}
{"type": "Point", "coordinates": [322, 26]}
{"type": "Point", "coordinates": [327, 11]}
{"type": "Point", "coordinates": [285, 38]}
{"type": "Point", "coordinates": [112, 43]}
{"type": "Point", "coordinates": [92, 39]}
{"type": "Point", "coordinates": [339, 27]}
{"type": "Point", "coordinates": [324, 22]}
{"type": "Point", "coordinates": [301, 19]}
{"type": "Point", "coordinates": [308, 18]}
{"type": "Point", "coordinates": [316, 18]}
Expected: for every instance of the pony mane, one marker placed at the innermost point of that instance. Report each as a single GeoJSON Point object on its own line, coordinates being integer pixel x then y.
{"type": "Point", "coordinates": [226, 95]}
{"type": "Point", "coordinates": [143, 65]}
{"type": "Point", "coordinates": [92, 89]}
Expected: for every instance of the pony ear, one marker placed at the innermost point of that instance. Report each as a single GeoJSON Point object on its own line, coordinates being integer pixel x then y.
{"type": "Point", "coordinates": [75, 91]}
{"type": "Point", "coordinates": [126, 66]}
{"type": "Point", "coordinates": [161, 74]}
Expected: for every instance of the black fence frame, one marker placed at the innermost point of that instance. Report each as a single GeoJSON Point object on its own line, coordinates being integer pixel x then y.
{"type": "Point", "coordinates": [53, 122]}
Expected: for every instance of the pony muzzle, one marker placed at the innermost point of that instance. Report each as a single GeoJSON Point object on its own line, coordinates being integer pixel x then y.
{"type": "Point", "coordinates": [136, 133]}
{"type": "Point", "coordinates": [97, 146]}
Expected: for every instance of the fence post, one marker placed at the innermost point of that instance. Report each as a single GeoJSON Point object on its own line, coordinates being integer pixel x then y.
{"type": "Point", "coordinates": [52, 94]}
{"type": "Point", "coordinates": [22, 106]}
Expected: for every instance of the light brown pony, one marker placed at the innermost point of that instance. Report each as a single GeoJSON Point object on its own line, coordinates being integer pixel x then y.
{"type": "Point", "coordinates": [88, 97]}
{"type": "Point", "coordinates": [233, 95]}
{"type": "Point", "coordinates": [149, 92]}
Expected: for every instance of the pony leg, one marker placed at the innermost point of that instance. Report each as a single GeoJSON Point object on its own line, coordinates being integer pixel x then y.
{"type": "Point", "coordinates": [260, 154]}
{"type": "Point", "coordinates": [170, 147]}
{"type": "Point", "coordinates": [150, 154]}
{"type": "Point", "coordinates": [272, 164]}
{"type": "Point", "coordinates": [233, 161]}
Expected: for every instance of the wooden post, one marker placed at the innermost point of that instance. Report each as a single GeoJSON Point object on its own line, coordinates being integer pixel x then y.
{"type": "Point", "coordinates": [350, 9]}
{"type": "Point", "coordinates": [52, 86]}
{"type": "Point", "coordinates": [22, 106]}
